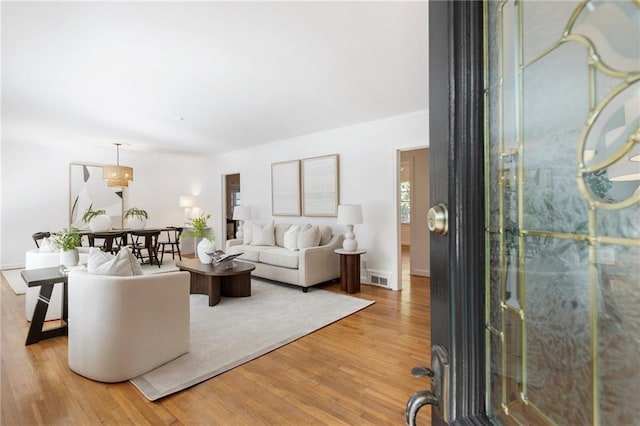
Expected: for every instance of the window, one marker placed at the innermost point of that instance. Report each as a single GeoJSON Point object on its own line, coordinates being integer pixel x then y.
{"type": "Point", "coordinates": [405, 202]}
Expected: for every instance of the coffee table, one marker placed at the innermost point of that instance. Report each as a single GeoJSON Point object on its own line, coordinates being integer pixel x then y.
{"type": "Point", "coordinates": [220, 280]}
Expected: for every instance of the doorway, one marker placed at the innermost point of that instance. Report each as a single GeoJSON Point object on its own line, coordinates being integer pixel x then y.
{"type": "Point", "coordinates": [413, 204]}
{"type": "Point", "coordinates": [232, 198]}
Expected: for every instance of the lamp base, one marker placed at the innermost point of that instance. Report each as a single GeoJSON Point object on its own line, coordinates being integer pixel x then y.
{"type": "Point", "coordinates": [350, 245]}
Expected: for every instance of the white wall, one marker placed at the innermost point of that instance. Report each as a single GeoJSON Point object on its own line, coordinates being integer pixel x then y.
{"type": "Point", "coordinates": [368, 166]}
{"type": "Point", "coordinates": [35, 189]}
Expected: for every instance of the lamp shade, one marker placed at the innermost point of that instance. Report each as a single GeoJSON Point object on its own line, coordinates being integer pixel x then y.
{"type": "Point", "coordinates": [241, 213]}
{"type": "Point", "coordinates": [117, 176]}
{"type": "Point", "coordinates": [350, 214]}
{"type": "Point", "coordinates": [188, 201]}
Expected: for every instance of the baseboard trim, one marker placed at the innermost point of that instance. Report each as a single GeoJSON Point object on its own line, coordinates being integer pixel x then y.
{"type": "Point", "coordinates": [421, 272]}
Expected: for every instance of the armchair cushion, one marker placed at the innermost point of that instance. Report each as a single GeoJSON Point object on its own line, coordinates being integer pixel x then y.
{"type": "Point", "coordinates": [123, 264]}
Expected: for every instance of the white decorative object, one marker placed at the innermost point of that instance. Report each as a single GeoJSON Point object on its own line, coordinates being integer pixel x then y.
{"type": "Point", "coordinates": [69, 258]}
{"type": "Point", "coordinates": [136, 223]}
{"type": "Point", "coordinates": [100, 223]}
{"type": "Point", "coordinates": [205, 246]}
{"type": "Point", "coordinates": [241, 213]}
{"type": "Point", "coordinates": [350, 215]}
{"type": "Point", "coordinates": [188, 202]}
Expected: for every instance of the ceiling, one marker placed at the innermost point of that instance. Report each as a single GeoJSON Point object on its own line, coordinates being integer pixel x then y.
{"type": "Point", "coordinates": [206, 77]}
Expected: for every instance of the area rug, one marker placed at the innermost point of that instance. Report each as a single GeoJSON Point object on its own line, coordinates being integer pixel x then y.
{"type": "Point", "coordinates": [238, 330]}
{"type": "Point", "coordinates": [18, 286]}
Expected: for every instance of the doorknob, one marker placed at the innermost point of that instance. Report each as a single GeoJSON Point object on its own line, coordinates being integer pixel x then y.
{"type": "Point", "coordinates": [438, 396]}
{"type": "Point", "coordinates": [438, 219]}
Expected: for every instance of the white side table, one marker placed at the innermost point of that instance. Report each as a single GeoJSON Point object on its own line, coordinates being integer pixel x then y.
{"type": "Point", "coordinates": [350, 270]}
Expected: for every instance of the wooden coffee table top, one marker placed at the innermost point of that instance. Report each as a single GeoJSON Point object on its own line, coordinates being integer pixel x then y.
{"type": "Point", "coordinates": [194, 265]}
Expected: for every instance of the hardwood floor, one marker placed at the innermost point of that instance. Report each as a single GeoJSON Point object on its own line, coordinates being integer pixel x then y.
{"type": "Point", "coordinates": [354, 372]}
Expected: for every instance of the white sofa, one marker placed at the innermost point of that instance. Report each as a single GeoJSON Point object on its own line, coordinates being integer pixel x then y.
{"type": "Point", "coordinates": [305, 267]}
{"type": "Point", "coordinates": [122, 327]}
{"type": "Point", "coordinates": [35, 259]}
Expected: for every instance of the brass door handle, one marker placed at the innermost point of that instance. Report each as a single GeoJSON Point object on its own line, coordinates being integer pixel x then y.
{"type": "Point", "coordinates": [438, 219]}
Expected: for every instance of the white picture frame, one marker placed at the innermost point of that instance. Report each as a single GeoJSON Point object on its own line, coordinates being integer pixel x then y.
{"type": "Point", "coordinates": [320, 186]}
{"type": "Point", "coordinates": [285, 188]}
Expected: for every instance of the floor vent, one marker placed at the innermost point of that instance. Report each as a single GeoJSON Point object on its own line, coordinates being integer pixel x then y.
{"type": "Point", "coordinates": [378, 280]}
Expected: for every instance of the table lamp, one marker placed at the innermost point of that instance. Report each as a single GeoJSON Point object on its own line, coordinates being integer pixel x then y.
{"type": "Point", "coordinates": [241, 213]}
{"type": "Point", "coordinates": [350, 215]}
{"type": "Point", "coordinates": [188, 202]}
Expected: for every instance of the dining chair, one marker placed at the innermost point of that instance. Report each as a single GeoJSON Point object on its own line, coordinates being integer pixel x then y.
{"type": "Point", "coordinates": [171, 244]}
{"type": "Point", "coordinates": [38, 236]}
{"type": "Point", "coordinates": [108, 241]}
{"type": "Point", "coordinates": [145, 245]}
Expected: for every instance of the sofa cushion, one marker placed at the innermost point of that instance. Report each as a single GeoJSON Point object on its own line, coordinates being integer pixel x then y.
{"type": "Point", "coordinates": [262, 234]}
{"type": "Point", "coordinates": [278, 256]}
{"type": "Point", "coordinates": [292, 234]}
{"type": "Point", "coordinates": [280, 230]}
{"type": "Point", "coordinates": [309, 238]}
{"type": "Point", "coordinates": [325, 234]}
{"type": "Point", "coordinates": [251, 253]}
{"type": "Point", "coordinates": [123, 264]}
{"type": "Point", "coordinates": [48, 245]}
{"type": "Point", "coordinates": [246, 229]}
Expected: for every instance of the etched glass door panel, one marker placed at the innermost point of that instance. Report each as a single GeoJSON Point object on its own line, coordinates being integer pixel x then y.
{"type": "Point", "coordinates": [562, 140]}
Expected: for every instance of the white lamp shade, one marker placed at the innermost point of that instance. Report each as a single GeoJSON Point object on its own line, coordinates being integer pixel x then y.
{"type": "Point", "coordinates": [188, 201]}
{"type": "Point", "coordinates": [241, 213]}
{"type": "Point", "coordinates": [350, 214]}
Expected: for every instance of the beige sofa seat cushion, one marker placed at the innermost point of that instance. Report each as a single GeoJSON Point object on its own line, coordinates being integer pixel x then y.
{"type": "Point", "coordinates": [280, 257]}
{"type": "Point", "coordinates": [251, 253]}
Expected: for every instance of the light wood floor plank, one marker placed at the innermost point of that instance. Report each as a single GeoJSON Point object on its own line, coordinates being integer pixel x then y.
{"type": "Point", "coordinates": [353, 372]}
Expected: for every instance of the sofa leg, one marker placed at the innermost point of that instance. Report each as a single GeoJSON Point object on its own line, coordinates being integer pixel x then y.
{"type": "Point", "coordinates": [305, 289]}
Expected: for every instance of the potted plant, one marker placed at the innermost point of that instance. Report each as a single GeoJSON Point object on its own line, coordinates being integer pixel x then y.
{"type": "Point", "coordinates": [198, 231]}
{"type": "Point", "coordinates": [67, 241]}
{"type": "Point", "coordinates": [97, 219]}
{"type": "Point", "coordinates": [136, 218]}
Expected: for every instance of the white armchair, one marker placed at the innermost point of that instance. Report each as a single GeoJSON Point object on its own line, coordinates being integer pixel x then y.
{"type": "Point", "coordinates": [122, 327]}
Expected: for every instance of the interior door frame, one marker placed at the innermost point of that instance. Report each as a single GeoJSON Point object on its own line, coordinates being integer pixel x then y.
{"type": "Point", "coordinates": [456, 116]}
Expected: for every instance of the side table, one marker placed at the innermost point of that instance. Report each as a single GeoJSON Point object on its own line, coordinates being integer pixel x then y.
{"type": "Point", "coordinates": [46, 278]}
{"type": "Point", "coordinates": [350, 270]}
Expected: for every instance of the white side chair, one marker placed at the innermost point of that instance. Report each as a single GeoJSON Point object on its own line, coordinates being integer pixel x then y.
{"type": "Point", "coordinates": [34, 259]}
{"type": "Point", "coordinates": [122, 327]}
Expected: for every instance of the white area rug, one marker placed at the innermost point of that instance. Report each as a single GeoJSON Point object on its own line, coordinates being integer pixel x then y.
{"type": "Point", "coordinates": [18, 286]}
{"type": "Point", "coordinates": [15, 280]}
{"type": "Point", "coordinates": [238, 330]}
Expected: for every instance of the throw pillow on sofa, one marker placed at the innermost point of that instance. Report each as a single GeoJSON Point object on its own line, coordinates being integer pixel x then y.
{"type": "Point", "coordinates": [309, 238]}
{"type": "Point", "coordinates": [246, 229]}
{"type": "Point", "coordinates": [262, 234]}
{"type": "Point", "coordinates": [123, 264]}
{"type": "Point", "coordinates": [48, 245]}
{"type": "Point", "coordinates": [292, 235]}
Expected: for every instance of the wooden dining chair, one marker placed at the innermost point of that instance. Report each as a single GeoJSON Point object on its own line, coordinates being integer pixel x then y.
{"type": "Point", "coordinates": [108, 241]}
{"type": "Point", "coordinates": [170, 243]}
{"type": "Point", "coordinates": [145, 245]}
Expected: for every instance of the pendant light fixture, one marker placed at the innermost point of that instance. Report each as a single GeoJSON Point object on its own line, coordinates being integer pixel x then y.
{"type": "Point", "coordinates": [118, 176]}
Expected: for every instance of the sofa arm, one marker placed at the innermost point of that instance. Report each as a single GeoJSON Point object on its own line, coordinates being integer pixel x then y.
{"type": "Point", "coordinates": [233, 242]}
{"type": "Point", "coordinates": [320, 264]}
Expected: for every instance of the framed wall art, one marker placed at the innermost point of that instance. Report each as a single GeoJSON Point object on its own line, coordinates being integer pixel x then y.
{"type": "Point", "coordinates": [320, 186]}
{"type": "Point", "coordinates": [87, 189]}
{"type": "Point", "coordinates": [285, 188]}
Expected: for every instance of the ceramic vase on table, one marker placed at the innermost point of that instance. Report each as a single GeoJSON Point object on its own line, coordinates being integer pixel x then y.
{"type": "Point", "coordinates": [136, 223]}
{"type": "Point", "coordinates": [100, 223]}
{"type": "Point", "coordinates": [69, 258]}
{"type": "Point", "coordinates": [205, 246]}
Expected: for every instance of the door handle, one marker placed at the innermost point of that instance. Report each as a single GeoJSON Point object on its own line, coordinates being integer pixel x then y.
{"type": "Point", "coordinates": [438, 396]}
{"type": "Point", "coordinates": [438, 219]}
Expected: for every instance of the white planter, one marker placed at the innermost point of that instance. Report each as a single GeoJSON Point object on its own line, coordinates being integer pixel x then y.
{"type": "Point", "coordinates": [135, 223]}
{"type": "Point", "coordinates": [69, 258]}
{"type": "Point", "coordinates": [205, 246]}
{"type": "Point", "coordinates": [100, 223]}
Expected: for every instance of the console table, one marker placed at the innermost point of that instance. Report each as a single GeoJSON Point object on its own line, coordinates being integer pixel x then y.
{"type": "Point", "coordinates": [46, 278]}
{"type": "Point", "coordinates": [350, 270]}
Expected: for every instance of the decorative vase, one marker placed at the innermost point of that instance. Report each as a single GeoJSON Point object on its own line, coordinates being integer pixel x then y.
{"type": "Point", "coordinates": [205, 246]}
{"type": "Point", "coordinates": [69, 258]}
{"type": "Point", "coordinates": [100, 223]}
{"type": "Point", "coordinates": [135, 223]}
